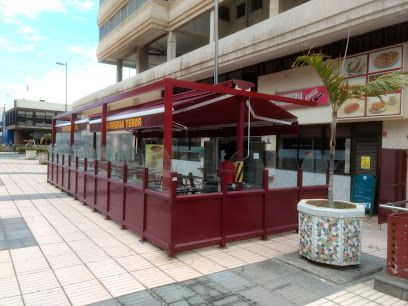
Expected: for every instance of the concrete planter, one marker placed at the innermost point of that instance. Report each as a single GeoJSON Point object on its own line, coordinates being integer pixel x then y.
{"type": "Point", "coordinates": [43, 158]}
{"type": "Point", "coordinates": [31, 154]}
{"type": "Point", "coordinates": [329, 235]}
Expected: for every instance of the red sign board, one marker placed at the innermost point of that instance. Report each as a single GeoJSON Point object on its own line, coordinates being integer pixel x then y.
{"type": "Point", "coordinates": [317, 94]}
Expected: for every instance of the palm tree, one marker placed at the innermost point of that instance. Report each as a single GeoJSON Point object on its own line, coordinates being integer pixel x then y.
{"type": "Point", "coordinates": [339, 91]}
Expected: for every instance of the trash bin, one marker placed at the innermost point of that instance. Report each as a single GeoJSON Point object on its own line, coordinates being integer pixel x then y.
{"type": "Point", "coordinates": [397, 250]}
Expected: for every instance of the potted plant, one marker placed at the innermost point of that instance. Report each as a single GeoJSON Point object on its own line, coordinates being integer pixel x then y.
{"type": "Point", "coordinates": [329, 230]}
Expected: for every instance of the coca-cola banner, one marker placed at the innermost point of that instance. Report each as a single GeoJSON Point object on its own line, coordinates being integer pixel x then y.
{"type": "Point", "coordinates": [317, 94]}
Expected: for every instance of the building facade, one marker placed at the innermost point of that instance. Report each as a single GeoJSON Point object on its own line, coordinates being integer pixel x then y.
{"type": "Point", "coordinates": [28, 119]}
{"type": "Point", "coordinates": [258, 42]}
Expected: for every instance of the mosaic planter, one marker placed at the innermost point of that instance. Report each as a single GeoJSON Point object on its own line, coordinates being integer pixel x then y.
{"type": "Point", "coordinates": [43, 158]}
{"type": "Point", "coordinates": [331, 236]}
{"type": "Point", "coordinates": [31, 154]}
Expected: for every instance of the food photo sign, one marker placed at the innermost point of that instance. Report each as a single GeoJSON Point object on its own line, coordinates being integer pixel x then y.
{"type": "Point", "coordinates": [363, 68]}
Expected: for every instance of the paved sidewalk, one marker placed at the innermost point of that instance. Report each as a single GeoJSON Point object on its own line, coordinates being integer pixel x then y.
{"type": "Point", "coordinates": [55, 251]}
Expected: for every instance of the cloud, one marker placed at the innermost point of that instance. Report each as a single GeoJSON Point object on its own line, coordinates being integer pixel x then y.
{"type": "Point", "coordinates": [83, 5]}
{"type": "Point", "coordinates": [28, 33]}
{"type": "Point", "coordinates": [50, 86]}
{"type": "Point", "coordinates": [86, 53]}
{"type": "Point", "coordinates": [11, 46]}
{"type": "Point", "coordinates": [10, 10]}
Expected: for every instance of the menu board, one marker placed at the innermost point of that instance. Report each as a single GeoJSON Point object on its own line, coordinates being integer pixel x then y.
{"type": "Point", "coordinates": [363, 68]}
{"type": "Point", "coordinates": [154, 156]}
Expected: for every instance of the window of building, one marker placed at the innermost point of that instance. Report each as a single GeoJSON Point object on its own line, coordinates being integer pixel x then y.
{"type": "Point", "coordinates": [256, 5]}
{"type": "Point", "coordinates": [224, 13]}
{"type": "Point", "coordinates": [123, 13]}
{"type": "Point", "coordinates": [187, 149]}
{"type": "Point", "coordinates": [310, 151]}
{"type": "Point", "coordinates": [39, 118]}
{"type": "Point", "coordinates": [240, 10]}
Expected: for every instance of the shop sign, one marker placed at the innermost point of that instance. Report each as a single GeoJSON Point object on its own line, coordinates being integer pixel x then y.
{"type": "Point", "coordinates": [363, 68]}
{"type": "Point", "coordinates": [365, 162]}
{"type": "Point", "coordinates": [317, 94]}
{"type": "Point", "coordinates": [129, 123]}
{"type": "Point", "coordinates": [67, 128]}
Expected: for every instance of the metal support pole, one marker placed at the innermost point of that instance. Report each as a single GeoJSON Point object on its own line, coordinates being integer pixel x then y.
{"type": "Point", "coordinates": [215, 41]}
{"type": "Point", "coordinates": [167, 133]}
{"type": "Point", "coordinates": [103, 131]}
{"type": "Point", "coordinates": [66, 86]}
{"type": "Point", "coordinates": [72, 131]}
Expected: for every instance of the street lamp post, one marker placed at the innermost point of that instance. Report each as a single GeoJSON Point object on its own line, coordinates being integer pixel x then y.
{"type": "Point", "coordinates": [66, 82]}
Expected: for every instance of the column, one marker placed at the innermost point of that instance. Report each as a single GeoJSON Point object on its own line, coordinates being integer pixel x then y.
{"type": "Point", "coordinates": [274, 7]}
{"type": "Point", "coordinates": [142, 59]}
{"type": "Point", "coordinates": [171, 46]}
{"type": "Point", "coordinates": [212, 20]}
{"type": "Point", "coordinates": [119, 71]}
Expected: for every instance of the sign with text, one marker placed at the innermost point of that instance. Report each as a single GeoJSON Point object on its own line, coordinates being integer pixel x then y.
{"type": "Point", "coordinates": [129, 123]}
{"type": "Point", "coordinates": [317, 94]}
{"type": "Point", "coordinates": [365, 162]}
{"type": "Point", "coordinates": [366, 67]}
{"type": "Point", "coordinates": [363, 191]}
{"type": "Point", "coordinates": [155, 120]}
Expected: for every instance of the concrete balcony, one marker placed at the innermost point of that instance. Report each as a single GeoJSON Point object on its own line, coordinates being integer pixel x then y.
{"type": "Point", "coordinates": [149, 22]}
{"type": "Point", "coordinates": [311, 24]}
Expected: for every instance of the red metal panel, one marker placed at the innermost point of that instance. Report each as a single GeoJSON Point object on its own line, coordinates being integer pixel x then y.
{"type": "Point", "coordinates": [198, 221]}
{"type": "Point", "coordinates": [49, 171]}
{"type": "Point", "coordinates": [72, 181]}
{"type": "Point", "coordinates": [81, 186]}
{"type": "Point", "coordinates": [282, 210]}
{"type": "Point", "coordinates": [133, 218]}
{"type": "Point", "coordinates": [90, 190]}
{"type": "Point", "coordinates": [392, 180]}
{"type": "Point", "coordinates": [60, 175]}
{"type": "Point", "coordinates": [157, 218]}
{"type": "Point", "coordinates": [101, 201]}
{"type": "Point", "coordinates": [116, 200]}
{"type": "Point", "coordinates": [397, 249]}
{"type": "Point", "coordinates": [243, 214]}
{"type": "Point", "coordinates": [65, 186]}
{"type": "Point", "coordinates": [313, 192]}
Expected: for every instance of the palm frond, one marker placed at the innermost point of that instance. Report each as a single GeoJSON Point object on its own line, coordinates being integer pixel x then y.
{"type": "Point", "coordinates": [384, 84]}
{"type": "Point", "coordinates": [327, 72]}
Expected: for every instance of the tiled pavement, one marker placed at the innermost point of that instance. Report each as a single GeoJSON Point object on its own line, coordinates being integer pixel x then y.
{"type": "Point", "coordinates": [81, 258]}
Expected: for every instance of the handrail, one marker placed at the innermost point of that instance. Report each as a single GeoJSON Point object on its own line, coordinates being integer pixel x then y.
{"type": "Point", "coordinates": [394, 207]}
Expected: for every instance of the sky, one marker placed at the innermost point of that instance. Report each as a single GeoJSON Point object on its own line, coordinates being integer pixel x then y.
{"type": "Point", "coordinates": [34, 35]}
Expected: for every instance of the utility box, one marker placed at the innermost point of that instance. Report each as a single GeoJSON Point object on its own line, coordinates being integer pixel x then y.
{"type": "Point", "coordinates": [397, 250]}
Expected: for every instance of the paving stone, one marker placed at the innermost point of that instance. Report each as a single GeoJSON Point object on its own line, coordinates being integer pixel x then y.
{"type": "Point", "coordinates": [172, 293]}
{"type": "Point", "coordinates": [144, 298]}
{"type": "Point", "coordinates": [262, 296]}
{"type": "Point", "coordinates": [231, 280]}
{"type": "Point", "coordinates": [15, 233]}
{"type": "Point", "coordinates": [231, 300]}
{"type": "Point", "coordinates": [369, 265]}
{"type": "Point", "coordinates": [207, 288]}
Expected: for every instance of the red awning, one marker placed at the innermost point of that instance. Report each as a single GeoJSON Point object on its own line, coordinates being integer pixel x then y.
{"type": "Point", "coordinates": [203, 108]}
